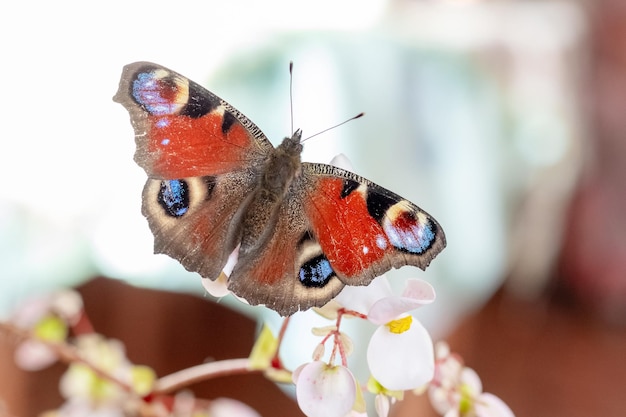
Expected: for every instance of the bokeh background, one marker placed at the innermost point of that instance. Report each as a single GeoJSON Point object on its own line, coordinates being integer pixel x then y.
{"type": "Point", "coordinates": [503, 119]}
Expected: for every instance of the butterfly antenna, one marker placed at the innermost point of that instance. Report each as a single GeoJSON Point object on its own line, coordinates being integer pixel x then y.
{"type": "Point", "coordinates": [332, 127]}
{"type": "Point", "coordinates": [291, 93]}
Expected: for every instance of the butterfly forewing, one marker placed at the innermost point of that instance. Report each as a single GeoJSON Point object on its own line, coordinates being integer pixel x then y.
{"type": "Point", "coordinates": [181, 129]}
{"type": "Point", "coordinates": [365, 229]}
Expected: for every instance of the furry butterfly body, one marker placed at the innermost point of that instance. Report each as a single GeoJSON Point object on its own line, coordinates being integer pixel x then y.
{"type": "Point", "coordinates": [215, 182]}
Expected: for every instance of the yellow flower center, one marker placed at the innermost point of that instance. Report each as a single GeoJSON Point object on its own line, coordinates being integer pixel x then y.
{"type": "Point", "coordinates": [466, 404]}
{"type": "Point", "coordinates": [400, 325]}
{"type": "Point", "coordinates": [51, 329]}
{"type": "Point", "coordinates": [142, 379]}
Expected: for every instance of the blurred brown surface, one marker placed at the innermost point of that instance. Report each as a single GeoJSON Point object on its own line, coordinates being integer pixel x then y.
{"type": "Point", "coordinates": [593, 263]}
{"type": "Point", "coordinates": [163, 330]}
{"type": "Point", "coordinates": [544, 359]}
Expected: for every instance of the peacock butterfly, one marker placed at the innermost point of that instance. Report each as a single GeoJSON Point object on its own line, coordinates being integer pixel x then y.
{"type": "Point", "coordinates": [216, 182]}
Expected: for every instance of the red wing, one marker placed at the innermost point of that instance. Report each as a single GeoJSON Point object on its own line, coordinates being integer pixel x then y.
{"type": "Point", "coordinates": [181, 129]}
{"type": "Point", "coordinates": [363, 229]}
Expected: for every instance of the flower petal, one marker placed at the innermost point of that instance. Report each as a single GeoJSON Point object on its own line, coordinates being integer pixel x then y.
{"type": "Point", "coordinates": [471, 382]}
{"type": "Point", "coordinates": [488, 405]}
{"type": "Point", "coordinates": [325, 391]}
{"type": "Point", "coordinates": [362, 298]}
{"type": "Point", "coordinates": [416, 294]}
{"type": "Point", "coordinates": [382, 405]}
{"type": "Point", "coordinates": [32, 355]}
{"type": "Point", "coordinates": [232, 260]}
{"type": "Point", "coordinates": [342, 161]}
{"type": "Point", "coordinates": [418, 289]}
{"type": "Point", "coordinates": [67, 304]}
{"type": "Point", "coordinates": [401, 361]}
{"type": "Point", "coordinates": [227, 407]}
{"type": "Point", "coordinates": [30, 311]}
{"type": "Point", "coordinates": [217, 288]}
{"type": "Point", "coordinates": [329, 310]}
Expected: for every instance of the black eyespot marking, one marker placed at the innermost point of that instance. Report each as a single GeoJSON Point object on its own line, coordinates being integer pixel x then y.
{"type": "Point", "coordinates": [316, 272]}
{"type": "Point", "coordinates": [227, 122]}
{"type": "Point", "coordinates": [378, 204]}
{"type": "Point", "coordinates": [348, 187]}
{"type": "Point", "coordinates": [306, 237]}
{"type": "Point", "coordinates": [198, 103]}
{"type": "Point", "coordinates": [210, 183]}
{"type": "Point", "coordinates": [174, 197]}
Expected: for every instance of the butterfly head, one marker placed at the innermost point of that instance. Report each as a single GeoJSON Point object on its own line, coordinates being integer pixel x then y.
{"type": "Point", "coordinates": [288, 152]}
{"type": "Point", "coordinates": [293, 145]}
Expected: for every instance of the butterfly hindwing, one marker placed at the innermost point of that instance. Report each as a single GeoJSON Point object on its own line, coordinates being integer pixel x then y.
{"type": "Point", "coordinates": [183, 130]}
{"type": "Point", "coordinates": [288, 272]}
{"type": "Point", "coordinates": [196, 220]}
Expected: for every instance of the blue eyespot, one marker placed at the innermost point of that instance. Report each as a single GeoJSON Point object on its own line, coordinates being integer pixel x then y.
{"type": "Point", "coordinates": [174, 197]}
{"type": "Point", "coordinates": [414, 239]}
{"type": "Point", "coordinates": [316, 272]}
{"type": "Point", "coordinates": [147, 91]}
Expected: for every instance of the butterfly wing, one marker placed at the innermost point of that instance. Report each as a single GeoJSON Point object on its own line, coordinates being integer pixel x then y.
{"type": "Point", "coordinates": [197, 220]}
{"type": "Point", "coordinates": [335, 228]}
{"type": "Point", "coordinates": [287, 273]}
{"type": "Point", "coordinates": [202, 156]}
{"type": "Point", "coordinates": [181, 129]}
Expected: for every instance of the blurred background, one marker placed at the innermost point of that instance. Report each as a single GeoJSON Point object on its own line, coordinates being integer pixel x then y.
{"type": "Point", "coordinates": [502, 119]}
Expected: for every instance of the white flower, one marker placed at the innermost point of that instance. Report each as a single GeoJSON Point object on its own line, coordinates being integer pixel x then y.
{"type": "Point", "coordinates": [324, 390]}
{"type": "Point", "coordinates": [400, 353]}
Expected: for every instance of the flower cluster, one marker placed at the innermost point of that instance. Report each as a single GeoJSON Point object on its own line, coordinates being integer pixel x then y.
{"type": "Point", "coordinates": [457, 390]}
{"type": "Point", "coordinates": [100, 380]}
{"type": "Point", "coordinates": [48, 318]}
{"type": "Point", "coordinates": [399, 354]}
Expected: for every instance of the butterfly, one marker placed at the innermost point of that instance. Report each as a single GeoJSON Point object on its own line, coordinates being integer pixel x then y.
{"type": "Point", "coordinates": [304, 230]}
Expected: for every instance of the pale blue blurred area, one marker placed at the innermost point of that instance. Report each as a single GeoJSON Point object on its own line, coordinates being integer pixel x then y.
{"type": "Point", "coordinates": [469, 107]}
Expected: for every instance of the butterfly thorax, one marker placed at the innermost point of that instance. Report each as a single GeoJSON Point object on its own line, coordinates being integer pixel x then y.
{"type": "Point", "coordinates": [282, 166]}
